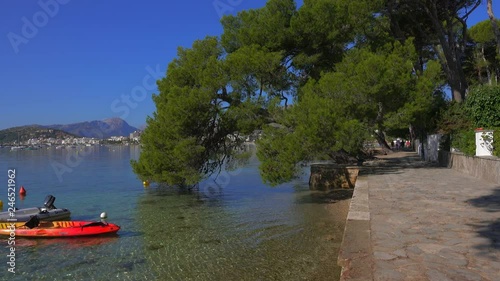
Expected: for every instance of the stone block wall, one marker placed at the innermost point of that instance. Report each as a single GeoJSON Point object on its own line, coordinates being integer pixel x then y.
{"type": "Point", "coordinates": [484, 168]}
{"type": "Point", "coordinates": [332, 176]}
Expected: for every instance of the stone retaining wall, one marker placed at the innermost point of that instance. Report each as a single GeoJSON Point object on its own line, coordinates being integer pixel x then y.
{"type": "Point", "coordinates": [484, 168]}
{"type": "Point", "coordinates": [332, 176]}
{"type": "Point", "coordinates": [355, 255]}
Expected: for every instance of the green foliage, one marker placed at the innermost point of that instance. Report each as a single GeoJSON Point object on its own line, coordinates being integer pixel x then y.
{"type": "Point", "coordinates": [350, 67]}
{"type": "Point", "coordinates": [216, 91]}
{"type": "Point", "coordinates": [385, 91]}
{"type": "Point", "coordinates": [459, 121]}
{"type": "Point", "coordinates": [369, 90]}
{"type": "Point", "coordinates": [213, 93]}
{"type": "Point", "coordinates": [454, 118]}
{"type": "Point", "coordinates": [313, 128]}
{"type": "Point", "coordinates": [255, 72]}
{"type": "Point", "coordinates": [423, 107]}
{"type": "Point", "coordinates": [482, 32]}
{"type": "Point", "coordinates": [455, 124]}
{"type": "Point", "coordinates": [481, 109]}
{"type": "Point", "coordinates": [279, 152]}
{"type": "Point", "coordinates": [321, 31]}
{"type": "Point", "coordinates": [464, 141]}
{"type": "Point", "coordinates": [496, 142]}
{"type": "Point", "coordinates": [483, 105]}
{"type": "Point", "coordinates": [268, 27]}
{"type": "Point", "coordinates": [482, 62]}
{"type": "Point", "coordinates": [187, 137]}
{"type": "Point", "coordinates": [440, 31]}
{"type": "Point", "coordinates": [375, 81]}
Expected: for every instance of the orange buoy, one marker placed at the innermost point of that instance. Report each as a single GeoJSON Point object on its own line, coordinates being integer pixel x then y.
{"type": "Point", "coordinates": [22, 191]}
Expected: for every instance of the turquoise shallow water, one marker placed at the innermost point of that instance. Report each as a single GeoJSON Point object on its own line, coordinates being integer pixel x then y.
{"type": "Point", "coordinates": [234, 228]}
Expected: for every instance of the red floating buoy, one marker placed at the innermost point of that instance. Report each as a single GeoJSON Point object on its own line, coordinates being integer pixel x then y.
{"type": "Point", "coordinates": [22, 191]}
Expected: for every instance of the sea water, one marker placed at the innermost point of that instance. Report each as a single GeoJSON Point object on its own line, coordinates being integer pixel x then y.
{"type": "Point", "coordinates": [233, 227]}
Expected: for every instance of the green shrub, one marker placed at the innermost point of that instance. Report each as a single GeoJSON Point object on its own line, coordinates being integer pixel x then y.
{"type": "Point", "coordinates": [481, 109]}
{"type": "Point", "coordinates": [454, 118]}
{"type": "Point", "coordinates": [496, 142]}
{"type": "Point", "coordinates": [483, 106]}
{"type": "Point", "coordinates": [464, 141]}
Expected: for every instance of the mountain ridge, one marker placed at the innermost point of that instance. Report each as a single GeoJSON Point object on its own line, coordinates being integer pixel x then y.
{"type": "Point", "coordinates": [23, 133]}
{"type": "Point", "coordinates": [100, 129]}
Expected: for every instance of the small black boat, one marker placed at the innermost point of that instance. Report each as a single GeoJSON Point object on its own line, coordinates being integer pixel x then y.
{"type": "Point", "coordinates": [48, 212]}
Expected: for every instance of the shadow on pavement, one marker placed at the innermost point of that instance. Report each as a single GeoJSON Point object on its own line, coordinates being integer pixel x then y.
{"type": "Point", "coordinates": [386, 164]}
{"type": "Point", "coordinates": [395, 164]}
{"type": "Point", "coordinates": [488, 229]}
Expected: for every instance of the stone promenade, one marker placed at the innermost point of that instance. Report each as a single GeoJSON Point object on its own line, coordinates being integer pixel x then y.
{"type": "Point", "coordinates": [410, 220]}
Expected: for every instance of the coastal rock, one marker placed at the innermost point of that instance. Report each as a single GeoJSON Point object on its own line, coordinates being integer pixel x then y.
{"type": "Point", "coordinates": [332, 176]}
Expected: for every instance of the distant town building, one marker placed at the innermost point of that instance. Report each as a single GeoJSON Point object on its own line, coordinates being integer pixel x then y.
{"type": "Point", "coordinates": [117, 138]}
{"type": "Point", "coordinates": [135, 136]}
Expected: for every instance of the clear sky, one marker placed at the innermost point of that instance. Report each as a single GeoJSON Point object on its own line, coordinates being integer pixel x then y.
{"type": "Point", "coordinates": [66, 61]}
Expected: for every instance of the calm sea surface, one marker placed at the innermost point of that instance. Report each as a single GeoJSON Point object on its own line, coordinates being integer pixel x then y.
{"type": "Point", "coordinates": [234, 228]}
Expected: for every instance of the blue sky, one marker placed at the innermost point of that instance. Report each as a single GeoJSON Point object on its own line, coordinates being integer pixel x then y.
{"type": "Point", "coordinates": [66, 61]}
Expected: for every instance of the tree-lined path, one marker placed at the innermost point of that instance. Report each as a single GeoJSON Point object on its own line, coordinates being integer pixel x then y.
{"type": "Point", "coordinates": [428, 223]}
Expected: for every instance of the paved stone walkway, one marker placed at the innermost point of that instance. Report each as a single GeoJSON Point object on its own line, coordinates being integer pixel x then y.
{"type": "Point", "coordinates": [413, 221]}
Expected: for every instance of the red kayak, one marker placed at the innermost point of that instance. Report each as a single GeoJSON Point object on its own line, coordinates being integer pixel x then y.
{"type": "Point", "coordinates": [57, 228]}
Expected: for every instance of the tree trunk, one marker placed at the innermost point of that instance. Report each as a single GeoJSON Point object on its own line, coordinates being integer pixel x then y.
{"type": "Point", "coordinates": [451, 52]}
{"type": "Point", "coordinates": [479, 76]}
{"type": "Point", "coordinates": [413, 137]}
{"type": "Point", "coordinates": [379, 133]}
{"type": "Point", "coordinates": [494, 23]}
{"type": "Point", "coordinates": [488, 73]}
{"type": "Point", "coordinates": [382, 141]}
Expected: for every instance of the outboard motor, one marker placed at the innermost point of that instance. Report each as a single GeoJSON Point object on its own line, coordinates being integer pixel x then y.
{"type": "Point", "coordinates": [49, 202]}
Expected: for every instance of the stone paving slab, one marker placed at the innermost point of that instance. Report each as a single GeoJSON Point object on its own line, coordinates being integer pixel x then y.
{"type": "Point", "coordinates": [425, 223]}
{"type": "Point", "coordinates": [359, 208]}
{"type": "Point", "coordinates": [355, 256]}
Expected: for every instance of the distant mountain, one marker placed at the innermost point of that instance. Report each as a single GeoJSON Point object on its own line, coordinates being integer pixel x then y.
{"type": "Point", "coordinates": [21, 134]}
{"type": "Point", "coordinates": [98, 129]}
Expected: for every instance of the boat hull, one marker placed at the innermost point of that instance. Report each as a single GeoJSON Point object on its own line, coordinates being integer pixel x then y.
{"type": "Point", "coordinates": [58, 229]}
{"type": "Point", "coordinates": [43, 214]}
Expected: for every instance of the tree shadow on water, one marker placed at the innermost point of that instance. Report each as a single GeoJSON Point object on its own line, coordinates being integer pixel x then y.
{"type": "Point", "coordinates": [489, 229]}
{"type": "Point", "coordinates": [327, 197]}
